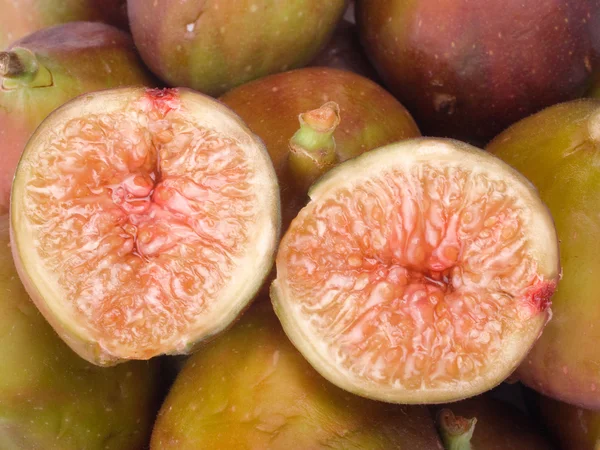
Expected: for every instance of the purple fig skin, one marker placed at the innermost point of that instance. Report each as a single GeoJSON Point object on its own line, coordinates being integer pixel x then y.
{"type": "Point", "coordinates": [50, 398]}
{"type": "Point", "coordinates": [80, 57]}
{"type": "Point", "coordinates": [557, 150]}
{"type": "Point", "coordinates": [214, 45]}
{"type": "Point", "coordinates": [468, 69]}
{"type": "Point", "coordinates": [251, 389]}
{"type": "Point", "coordinates": [23, 17]}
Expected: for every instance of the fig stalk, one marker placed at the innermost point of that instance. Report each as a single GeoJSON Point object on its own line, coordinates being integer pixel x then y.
{"type": "Point", "coordinates": [312, 148]}
{"type": "Point", "coordinates": [456, 431]}
{"type": "Point", "coordinates": [20, 67]}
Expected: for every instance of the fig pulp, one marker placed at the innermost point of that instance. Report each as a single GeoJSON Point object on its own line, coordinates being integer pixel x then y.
{"type": "Point", "coordinates": [369, 117]}
{"type": "Point", "coordinates": [483, 423]}
{"type": "Point", "coordinates": [143, 221]}
{"type": "Point", "coordinates": [420, 272]}
{"type": "Point", "coordinates": [50, 398]}
{"type": "Point", "coordinates": [558, 149]}
{"type": "Point", "coordinates": [23, 17]}
{"type": "Point", "coordinates": [469, 69]}
{"type": "Point", "coordinates": [251, 389]}
{"type": "Point", "coordinates": [215, 45]}
{"type": "Point", "coordinates": [44, 70]}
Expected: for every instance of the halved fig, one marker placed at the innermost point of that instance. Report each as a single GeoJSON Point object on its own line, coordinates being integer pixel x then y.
{"type": "Point", "coordinates": [420, 272]}
{"type": "Point", "coordinates": [143, 221]}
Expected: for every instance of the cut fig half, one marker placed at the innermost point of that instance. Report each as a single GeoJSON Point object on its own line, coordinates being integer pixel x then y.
{"type": "Point", "coordinates": [420, 272]}
{"type": "Point", "coordinates": [143, 221]}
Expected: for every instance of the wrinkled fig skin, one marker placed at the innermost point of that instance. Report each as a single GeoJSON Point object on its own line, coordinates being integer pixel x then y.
{"type": "Point", "coordinates": [468, 69]}
{"type": "Point", "coordinates": [22, 17]}
{"type": "Point", "coordinates": [251, 389]}
{"type": "Point", "coordinates": [370, 118]}
{"type": "Point", "coordinates": [573, 427]}
{"type": "Point", "coordinates": [81, 57]}
{"type": "Point", "coordinates": [500, 426]}
{"type": "Point", "coordinates": [50, 399]}
{"type": "Point", "coordinates": [215, 45]}
{"type": "Point", "coordinates": [558, 149]}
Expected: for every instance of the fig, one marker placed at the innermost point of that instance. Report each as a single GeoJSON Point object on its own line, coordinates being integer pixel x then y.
{"type": "Point", "coordinates": [251, 389]}
{"type": "Point", "coordinates": [557, 149]}
{"type": "Point", "coordinates": [44, 70]}
{"type": "Point", "coordinates": [50, 398]}
{"type": "Point", "coordinates": [369, 117]}
{"type": "Point", "coordinates": [484, 423]}
{"type": "Point", "coordinates": [215, 45]}
{"type": "Point", "coordinates": [469, 69]}
{"type": "Point", "coordinates": [595, 90]}
{"type": "Point", "coordinates": [419, 272]}
{"type": "Point", "coordinates": [573, 427]}
{"type": "Point", "coordinates": [23, 17]}
{"type": "Point", "coordinates": [143, 221]}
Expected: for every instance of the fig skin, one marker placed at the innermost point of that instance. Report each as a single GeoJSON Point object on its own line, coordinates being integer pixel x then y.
{"type": "Point", "coordinates": [558, 150]}
{"type": "Point", "coordinates": [468, 69]}
{"type": "Point", "coordinates": [215, 45]}
{"type": "Point", "coordinates": [369, 118]}
{"type": "Point", "coordinates": [20, 18]}
{"type": "Point", "coordinates": [81, 57]}
{"type": "Point", "coordinates": [251, 389]}
{"type": "Point", "coordinates": [499, 426]}
{"type": "Point", "coordinates": [50, 398]}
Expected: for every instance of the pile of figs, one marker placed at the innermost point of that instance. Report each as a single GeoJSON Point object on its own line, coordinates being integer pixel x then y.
{"type": "Point", "coordinates": [343, 224]}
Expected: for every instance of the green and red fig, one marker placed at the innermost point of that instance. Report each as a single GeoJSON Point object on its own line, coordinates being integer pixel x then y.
{"type": "Point", "coordinates": [50, 398]}
{"type": "Point", "coordinates": [558, 149]}
{"type": "Point", "coordinates": [468, 69]}
{"type": "Point", "coordinates": [46, 69]}
{"type": "Point", "coordinates": [143, 221]}
{"type": "Point", "coordinates": [348, 115]}
{"type": "Point", "coordinates": [251, 389]}
{"type": "Point", "coordinates": [215, 45]}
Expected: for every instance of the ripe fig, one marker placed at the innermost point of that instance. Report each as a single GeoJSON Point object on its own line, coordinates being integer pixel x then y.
{"type": "Point", "coordinates": [369, 117]}
{"type": "Point", "coordinates": [215, 45]}
{"type": "Point", "coordinates": [50, 398]}
{"type": "Point", "coordinates": [483, 423]}
{"type": "Point", "coordinates": [251, 389]}
{"type": "Point", "coordinates": [143, 221]}
{"type": "Point", "coordinates": [468, 69]}
{"type": "Point", "coordinates": [419, 272]}
{"type": "Point", "coordinates": [558, 149]}
{"type": "Point", "coordinates": [44, 70]}
{"type": "Point", "coordinates": [23, 17]}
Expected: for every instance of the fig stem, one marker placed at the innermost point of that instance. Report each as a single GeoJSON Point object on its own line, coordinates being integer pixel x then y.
{"type": "Point", "coordinates": [312, 148]}
{"type": "Point", "coordinates": [20, 67]}
{"type": "Point", "coordinates": [456, 431]}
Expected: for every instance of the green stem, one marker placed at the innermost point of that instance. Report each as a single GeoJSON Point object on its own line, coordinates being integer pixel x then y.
{"type": "Point", "coordinates": [20, 67]}
{"type": "Point", "coordinates": [456, 431]}
{"type": "Point", "coordinates": [312, 148]}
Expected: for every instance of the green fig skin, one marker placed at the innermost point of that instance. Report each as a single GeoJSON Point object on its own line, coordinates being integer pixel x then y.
{"type": "Point", "coordinates": [50, 398]}
{"type": "Point", "coordinates": [251, 389]}
{"type": "Point", "coordinates": [499, 426]}
{"type": "Point", "coordinates": [80, 57]}
{"type": "Point", "coordinates": [214, 45]}
{"type": "Point", "coordinates": [369, 118]}
{"type": "Point", "coordinates": [23, 17]}
{"type": "Point", "coordinates": [468, 69]}
{"type": "Point", "coordinates": [558, 150]}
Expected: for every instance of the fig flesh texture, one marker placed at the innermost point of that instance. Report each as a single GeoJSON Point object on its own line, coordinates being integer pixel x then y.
{"type": "Point", "coordinates": [215, 45]}
{"type": "Point", "coordinates": [484, 423]}
{"type": "Point", "coordinates": [23, 17]}
{"type": "Point", "coordinates": [46, 69]}
{"type": "Point", "coordinates": [143, 221]}
{"type": "Point", "coordinates": [419, 272]}
{"type": "Point", "coordinates": [558, 149]}
{"type": "Point", "coordinates": [50, 398]}
{"type": "Point", "coordinates": [369, 117]}
{"type": "Point", "coordinates": [468, 69]}
{"type": "Point", "coordinates": [251, 389]}
{"type": "Point", "coordinates": [574, 428]}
